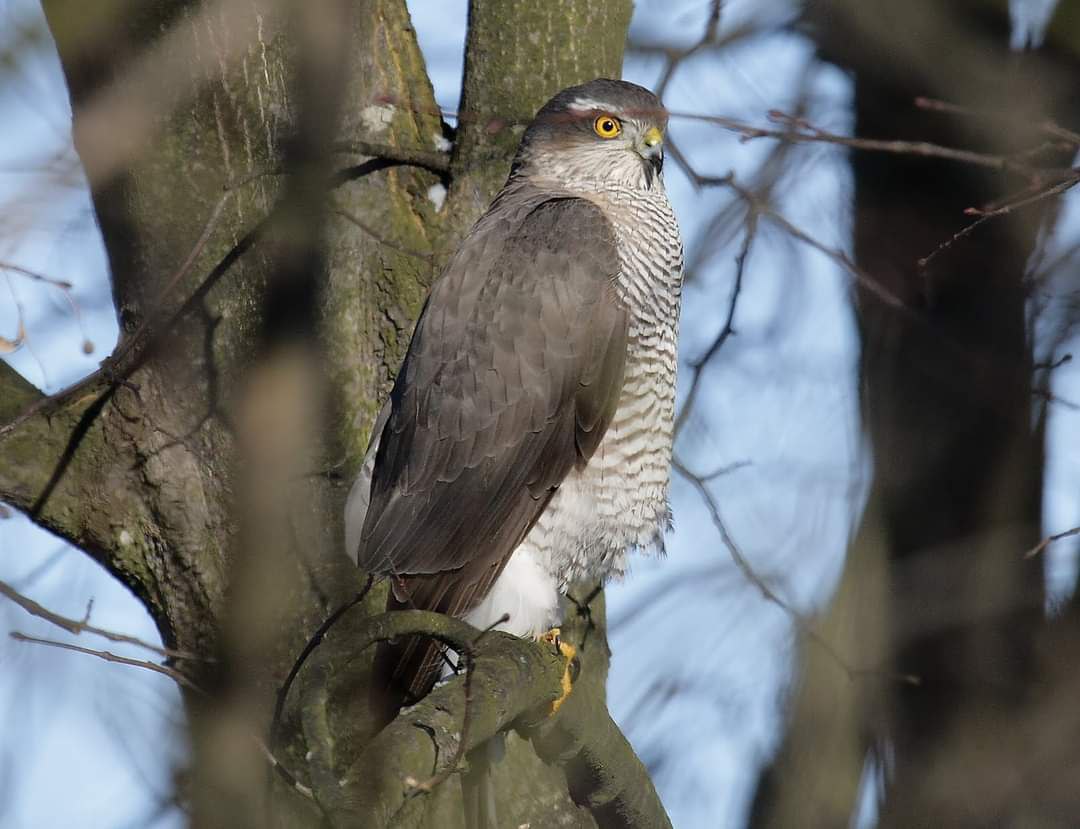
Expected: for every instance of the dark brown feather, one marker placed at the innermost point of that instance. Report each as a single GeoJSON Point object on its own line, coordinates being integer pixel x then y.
{"type": "Point", "coordinates": [511, 379]}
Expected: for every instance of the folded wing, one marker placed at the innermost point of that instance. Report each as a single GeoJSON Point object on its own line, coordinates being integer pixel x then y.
{"type": "Point", "coordinates": [511, 379]}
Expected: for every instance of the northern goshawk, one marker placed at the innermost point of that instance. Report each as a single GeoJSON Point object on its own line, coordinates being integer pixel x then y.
{"type": "Point", "coordinates": [526, 443]}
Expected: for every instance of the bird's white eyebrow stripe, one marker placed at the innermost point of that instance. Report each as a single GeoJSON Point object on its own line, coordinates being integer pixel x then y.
{"type": "Point", "coordinates": [588, 104]}
{"type": "Point", "coordinates": [593, 105]}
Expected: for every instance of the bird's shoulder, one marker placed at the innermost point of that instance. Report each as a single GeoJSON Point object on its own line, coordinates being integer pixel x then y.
{"type": "Point", "coordinates": [516, 313]}
{"type": "Point", "coordinates": [524, 219]}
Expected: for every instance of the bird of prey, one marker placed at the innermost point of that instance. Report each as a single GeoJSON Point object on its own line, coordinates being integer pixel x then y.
{"type": "Point", "coordinates": [526, 443]}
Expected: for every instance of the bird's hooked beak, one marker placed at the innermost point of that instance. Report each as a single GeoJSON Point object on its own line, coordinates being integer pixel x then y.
{"type": "Point", "coordinates": [651, 148]}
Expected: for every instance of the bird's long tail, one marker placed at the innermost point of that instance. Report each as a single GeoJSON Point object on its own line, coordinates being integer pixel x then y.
{"type": "Point", "coordinates": [404, 671]}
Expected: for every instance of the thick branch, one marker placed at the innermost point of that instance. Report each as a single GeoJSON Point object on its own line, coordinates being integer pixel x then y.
{"type": "Point", "coordinates": [513, 683]}
{"type": "Point", "coordinates": [59, 470]}
{"type": "Point", "coordinates": [512, 677]}
{"type": "Point", "coordinates": [142, 480]}
{"type": "Point", "coordinates": [432, 160]}
{"type": "Point", "coordinates": [16, 394]}
{"type": "Point", "coordinates": [604, 774]}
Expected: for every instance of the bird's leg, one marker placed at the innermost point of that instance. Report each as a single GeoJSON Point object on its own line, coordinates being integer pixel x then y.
{"type": "Point", "coordinates": [584, 610]}
{"type": "Point", "coordinates": [567, 652]}
{"type": "Point", "coordinates": [583, 605]}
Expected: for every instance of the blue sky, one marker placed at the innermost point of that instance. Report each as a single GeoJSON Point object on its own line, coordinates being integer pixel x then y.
{"type": "Point", "coordinates": [700, 659]}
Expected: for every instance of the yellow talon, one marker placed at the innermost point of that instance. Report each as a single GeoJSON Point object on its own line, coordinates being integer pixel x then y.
{"type": "Point", "coordinates": [568, 652]}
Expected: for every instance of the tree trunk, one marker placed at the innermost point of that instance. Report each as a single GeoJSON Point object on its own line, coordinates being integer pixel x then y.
{"type": "Point", "coordinates": [945, 608]}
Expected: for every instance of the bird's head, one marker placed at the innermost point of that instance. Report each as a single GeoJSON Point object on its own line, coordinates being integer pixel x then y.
{"type": "Point", "coordinates": [600, 133]}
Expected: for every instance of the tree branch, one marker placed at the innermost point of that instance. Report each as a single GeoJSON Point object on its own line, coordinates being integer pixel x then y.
{"type": "Point", "coordinates": [314, 642]}
{"type": "Point", "coordinates": [795, 130]}
{"type": "Point", "coordinates": [1050, 539]}
{"type": "Point", "coordinates": [512, 677]}
{"type": "Point", "coordinates": [728, 327]}
{"type": "Point", "coordinates": [176, 676]}
{"type": "Point", "coordinates": [605, 775]}
{"type": "Point", "coordinates": [180, 679]}
{"type": "Point", "coordinates": [35, 455]}
{"type": "Point", "coordinates": [800, 621]}
{"type": "Point", "coordinates": [431, 160]}
{"type": "Point", "coordinates": [77, 627]}
{"type": "Point", "coordinates": [513, 683]}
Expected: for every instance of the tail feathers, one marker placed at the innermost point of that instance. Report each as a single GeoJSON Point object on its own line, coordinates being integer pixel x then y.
{"type": "Point", "coordinates": [404, 673]}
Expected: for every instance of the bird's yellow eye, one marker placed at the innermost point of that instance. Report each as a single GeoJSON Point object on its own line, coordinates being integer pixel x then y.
{"type": "Point", "coordinates": [607, 126]}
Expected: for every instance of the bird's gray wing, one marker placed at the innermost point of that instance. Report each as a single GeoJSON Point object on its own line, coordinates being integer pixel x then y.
{"type": "Point", "coordinates": [511, 379]}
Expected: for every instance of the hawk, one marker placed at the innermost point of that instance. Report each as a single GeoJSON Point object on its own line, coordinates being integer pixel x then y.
{"type": "Point", "coordinates": [527, 441]}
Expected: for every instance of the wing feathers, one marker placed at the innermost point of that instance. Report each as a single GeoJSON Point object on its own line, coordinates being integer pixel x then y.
{"type": "Point", "coordinates": [511, 379]}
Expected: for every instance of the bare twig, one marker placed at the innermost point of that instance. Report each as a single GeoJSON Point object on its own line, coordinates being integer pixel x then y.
{"type": "Point", "coordinates": [178, 677]}
{"type": "Point", "coordinates": [1044, 182]}
{"type": "Point", "coordinates": [1050, 539]}
{"type": "Point", "coordinates": [865, 280]}
{"type": "Point", "coordinates": [61, 285]}
{"type": "Point", "coordinates": [729, 327]}
{"type": "Point", "coordinates": [1057, 189]}
{"type": "Point", "coordinates": [1048, 127]}
{"type": "Point", "coordinates": [797, 130]}
{"type": "Point", "coordinates": [82, 626]}
{"type": "Point", "coordinates": [801, 623]}
{"type": "Point", "coordinates": [1050, 397]}
{"type": "Point", "coordinates": [1051, 365]}
{"type": "Point", "coordinates": [711, 41]}
{"type": "Point", "coordinates": [172, 673]}
{"type": "Point", "coordinates": [35, 276]}
{"type": "Point", "coordinates": [9, 345]}
{"type": "Point", "coordinates": [677, 56]}
{"type": "Point", "coordinates": [314, 642]}
{"type": "Point", "coordinates": [726, 469]}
